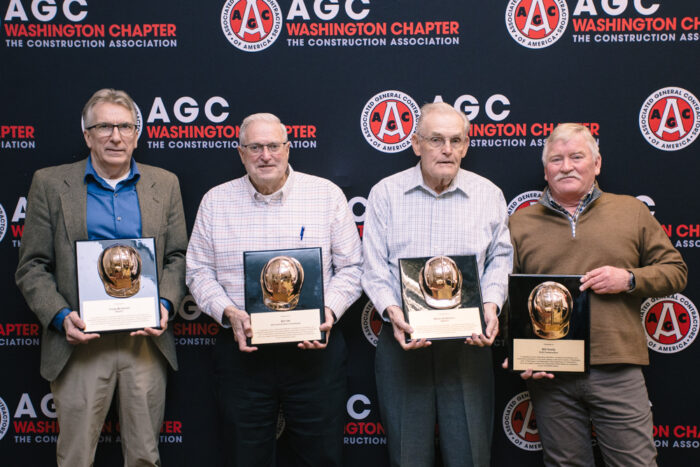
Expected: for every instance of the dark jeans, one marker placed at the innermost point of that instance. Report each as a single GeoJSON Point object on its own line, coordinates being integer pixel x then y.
{"type": "Point", "coordinates": [308, 385]}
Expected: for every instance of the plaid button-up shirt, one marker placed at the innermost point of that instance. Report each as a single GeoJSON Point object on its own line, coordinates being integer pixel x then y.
{"type": "Point", "coordinates": [234, 217]}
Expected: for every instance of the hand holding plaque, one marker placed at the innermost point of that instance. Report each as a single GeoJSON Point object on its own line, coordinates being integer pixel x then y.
{"type": "Point", "coordinates": [118, 285]}
{"type": "Point", "coordinates": [441, 297]}
{"type": "Point", "coordinates": [284, 295]}
{"type": "Point", "coordinates": [548, 324]}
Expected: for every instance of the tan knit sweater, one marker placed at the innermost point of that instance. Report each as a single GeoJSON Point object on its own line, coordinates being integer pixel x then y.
{"type": "Point", "coordinates": [614, 230]}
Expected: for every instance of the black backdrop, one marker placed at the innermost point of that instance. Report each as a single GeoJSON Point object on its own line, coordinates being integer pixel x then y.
{"type": "Point", "coordinates": [332, 69]}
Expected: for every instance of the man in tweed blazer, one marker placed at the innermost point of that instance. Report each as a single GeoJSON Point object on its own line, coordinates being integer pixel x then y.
{"type": "Point", "coordinates": [107, 195]}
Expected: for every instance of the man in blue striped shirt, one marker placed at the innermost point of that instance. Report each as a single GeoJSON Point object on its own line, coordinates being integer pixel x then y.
{"type": "Point", "coordinates": [436, 208]}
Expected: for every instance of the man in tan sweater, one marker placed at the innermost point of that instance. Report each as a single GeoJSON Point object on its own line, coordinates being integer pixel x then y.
{"type": "Point", "coordinates": [624, 256]}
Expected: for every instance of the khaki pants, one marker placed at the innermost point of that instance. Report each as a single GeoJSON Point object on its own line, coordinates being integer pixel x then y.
{"type": "Point", "coordinates": [83, 393]}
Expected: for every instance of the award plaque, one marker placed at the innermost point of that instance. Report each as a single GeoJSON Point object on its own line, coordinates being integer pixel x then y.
{"type": "Point", "coordinates": [118, 284]}
{"type": "Point", "coordinates": [284, 295]}
{"type": "Point", "coordinates": [548, 324]}
{"type": "Point", "coordinates": [441, 297]}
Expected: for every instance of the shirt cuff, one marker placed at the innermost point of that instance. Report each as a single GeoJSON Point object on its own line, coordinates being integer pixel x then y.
{"type": "Point", "coordinates": [383, 302]}
{"type": "Point", "coordinates": [57, 320]}
{"type": "Point", "coordinates": [218, 306]}
{"type": "Point", "coordinates": [494, 295]}
{"type": "Point", "coordinates": [168, 306]}
{"type": "Point", "coordinates": [337, 304]}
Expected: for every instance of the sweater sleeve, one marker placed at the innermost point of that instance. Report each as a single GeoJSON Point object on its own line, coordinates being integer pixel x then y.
{"type": "Point", "coordinates": [661, 270]}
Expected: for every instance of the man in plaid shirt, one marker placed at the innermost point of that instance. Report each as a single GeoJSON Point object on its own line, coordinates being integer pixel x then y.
{"type": "Point", "coordinates": [274, 207]}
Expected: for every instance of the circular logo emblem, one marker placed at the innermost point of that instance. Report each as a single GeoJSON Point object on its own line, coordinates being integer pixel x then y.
{"type": "Point", "coordinates": [670, 118]}
{"type": "Point", "coordinates": [523, 200]}
{"type": "Point", "coordinates": [251, 25]}
{"type": "Point", "coordinates": [519, 423]}
{"type": "Point", "coordinates": [3, 222]}
{"type": "Point", "coordinates": [389, 120]}
{"type": "Point", "coordinates": [536, 24]}
{"type": "Point", "coordinates": [671, 323]}
{"type": "Point", "coordinates": [371, 323]}
{"type": "Point", "coordinates": [139, 121]}
{"type": "Point", "coordinates": [4, 418]}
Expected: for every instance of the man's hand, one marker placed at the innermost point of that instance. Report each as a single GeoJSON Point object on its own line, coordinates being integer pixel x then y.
{"type": "Point", "coordinates": [240, 325]}
{"type": "Point", "coordinates": [326, 326]}
{"type": "Point", "coordinates": [74, 326]}
{"type": "Point", "coordinates": [491, 318]}
{"type": "Point", "coordinates": [400, 327]}
{"type": "Point", "coordinates": [155, 332]}
{"type": "Point", "coordinates": [529, 374]}
{"type": "Point", "coordinates": [606, 280]}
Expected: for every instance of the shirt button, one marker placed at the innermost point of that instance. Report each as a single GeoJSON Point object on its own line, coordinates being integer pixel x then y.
{"type": "Point", "coordinates": [115, 195]}
{"type": "Point", "coordinates": [119, 218]}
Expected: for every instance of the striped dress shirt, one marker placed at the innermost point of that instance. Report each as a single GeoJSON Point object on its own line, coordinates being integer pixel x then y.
{"type": "Point", "coordinates": [306, 212]}
{"type": "Point", "coordinates": [407, 219]}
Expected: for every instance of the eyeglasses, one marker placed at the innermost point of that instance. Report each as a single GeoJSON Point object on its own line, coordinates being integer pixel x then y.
{"type": "Point", "coordinates": [436, 142]}
{"type": "Point", "coordinates": [106, 129]}
{"type": "Point", "coordinates": [257, 148]}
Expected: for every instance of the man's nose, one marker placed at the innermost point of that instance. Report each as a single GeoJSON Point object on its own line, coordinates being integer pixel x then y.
{"type": "Point", "coordinates": [115, 135]}
{"type": "Point", "coordinates": [266, 154]}
{"type": "Point", "coordinates": [447, 147]}
{"type": "Point", "coordinates": [567, 165]}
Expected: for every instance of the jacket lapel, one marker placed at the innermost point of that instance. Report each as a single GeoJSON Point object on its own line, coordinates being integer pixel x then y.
{"type": "Point", "coordinates": [74, 203]}
{"type": "Point", "coordinates": [150, 204]}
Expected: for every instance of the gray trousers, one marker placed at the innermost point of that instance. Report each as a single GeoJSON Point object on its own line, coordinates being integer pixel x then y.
{"type": "Point", "coordinates": [449, 383]}
{"type": "Point", "coordinates": [613, 398]}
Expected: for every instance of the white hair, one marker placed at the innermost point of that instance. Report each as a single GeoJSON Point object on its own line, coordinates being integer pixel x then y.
{"type": "Point", "coordinates": [440, 107]}
{"type": "Point", "coordinates": [566, 131]}
{"type": "Point", "coordinates": [259, 117]}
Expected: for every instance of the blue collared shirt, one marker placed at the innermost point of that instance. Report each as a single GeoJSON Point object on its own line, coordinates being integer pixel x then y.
{"type": "Point", "coordinates": [112, 212]}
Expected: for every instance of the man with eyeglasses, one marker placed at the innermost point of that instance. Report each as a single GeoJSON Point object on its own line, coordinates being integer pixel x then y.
{"type": "Point", "coordinates": [106, 196]}
{"type": "Point", "coordinates": [436, 208]}
{"type": "Point", "coordinates": [275, 207]}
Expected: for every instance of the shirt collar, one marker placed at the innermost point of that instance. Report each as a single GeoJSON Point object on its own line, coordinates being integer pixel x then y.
{"type": "Point", "coordinates": [592, 195]}
{"type": "Point", "coordinates": [279, 196]}
{"type": "Point", "coordinates": [415, 181]}
{"type": "Point", "coordinates": [90, 172]}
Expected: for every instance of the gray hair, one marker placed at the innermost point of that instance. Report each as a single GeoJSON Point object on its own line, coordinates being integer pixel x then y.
{"type": "Point", "coordinates": [259, 117]}
{"type": "Point", "coordinates": [441, 107]}
{"type": "Point", "coordinates": [566, 131]}
{"type": "Point", "coordinates": [112, 96]}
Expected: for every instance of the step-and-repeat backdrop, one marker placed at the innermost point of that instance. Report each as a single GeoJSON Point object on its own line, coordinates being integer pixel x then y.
{"type": "Point", "coordinates": [348, 78]}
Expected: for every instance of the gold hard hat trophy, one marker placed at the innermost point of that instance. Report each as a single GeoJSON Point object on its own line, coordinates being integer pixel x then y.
{"type": "Point", "coordinates": [119, 267]}
{"type": "Point", "coordinates": [550, 305]}
{"type": "Point", "coordinates": [281, 280]}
